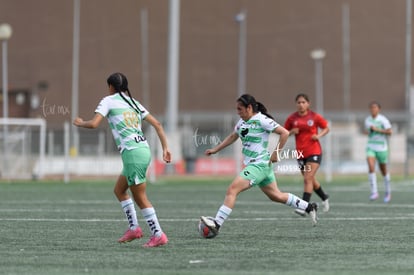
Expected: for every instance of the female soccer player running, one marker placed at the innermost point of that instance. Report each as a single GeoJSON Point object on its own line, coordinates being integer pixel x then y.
{"type": "Point", "coordinates": [253, 129]}
{"type": "Point", "coordinates": [125, 116]}
{"type": "Point", "coordinates": [378, 128]}
{"type": "Point", "coordinates": [304, 124]}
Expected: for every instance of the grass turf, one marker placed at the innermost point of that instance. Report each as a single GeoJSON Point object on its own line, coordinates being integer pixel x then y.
{"type": "Point", "coordinates": [56, 228]}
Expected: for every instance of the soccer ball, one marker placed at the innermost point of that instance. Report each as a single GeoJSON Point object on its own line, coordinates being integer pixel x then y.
{"type": "Point", "coordinates": [204, 231]}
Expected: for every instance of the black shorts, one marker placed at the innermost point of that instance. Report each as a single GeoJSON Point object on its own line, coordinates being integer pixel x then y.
{"type": "Point", "coordinates": [313, 158]}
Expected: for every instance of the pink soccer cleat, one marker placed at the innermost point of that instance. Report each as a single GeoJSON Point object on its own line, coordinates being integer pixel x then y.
{"type": "Point", "coordinates": [373, 196]}
{"type": "Point", "coordinates": [131, 235]}
{"type": "Point", "coordinates": [157, 241]}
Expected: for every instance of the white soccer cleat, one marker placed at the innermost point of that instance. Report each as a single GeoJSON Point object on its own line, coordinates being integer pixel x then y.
{"type": "Point", "coordinates": [325, 205]}
{"type": "Point", "coordinates": [211, 224]}
{"type": "Point", "coordinates": [387, 198]}
{"type": "Point", "coordinates": [313, 217]}
{"type": "Point", "coordinates": [300, 212]}
{"type": "Point", "coordinates": [311, 210]}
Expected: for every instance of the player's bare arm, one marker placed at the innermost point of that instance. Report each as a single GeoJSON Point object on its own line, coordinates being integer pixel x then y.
{"type": "Point", "coordinates": [382, 131]}
{"type": "Point", "coordinates": [91, 124]}
{"type": "Point", "coordinates": [321, 134]}
{"type": "Point", "coordinates": [161, 135]}
{"type": "Point", "coordinates": [226, 142]}
{"type": "Point", "coordinates": [294, 131]}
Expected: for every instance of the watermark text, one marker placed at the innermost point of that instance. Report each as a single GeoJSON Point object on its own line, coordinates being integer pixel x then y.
{"type": "Point", "coordinates": [205, 139]}
{"type": "Point", "coordinates": [54, 109]}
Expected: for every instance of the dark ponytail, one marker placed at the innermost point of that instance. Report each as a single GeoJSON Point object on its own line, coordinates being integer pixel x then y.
{"type": "Point", "coordinates": [247, 100]}
{"type": "Point", "coordinates": [120, 84]}
{"type": "Point", "coordinates": [261, 108]}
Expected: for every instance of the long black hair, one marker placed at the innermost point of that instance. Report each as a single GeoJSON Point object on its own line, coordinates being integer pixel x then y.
{"type": "Point", "coordinates": [247, 100]}
{"type": "Point", "coordinates": [120, 84]}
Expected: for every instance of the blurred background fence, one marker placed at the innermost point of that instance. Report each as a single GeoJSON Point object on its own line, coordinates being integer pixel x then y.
{"type": "Point", "coordinates": [344, 149]}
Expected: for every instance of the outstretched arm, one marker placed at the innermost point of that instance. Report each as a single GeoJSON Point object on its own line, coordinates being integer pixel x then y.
{"type": "Point", "coordinates": [226, 142]}
{"type": "Point", "coordinates": [166, 154]}
{"type": "Point", "coordinates": [91, 124]}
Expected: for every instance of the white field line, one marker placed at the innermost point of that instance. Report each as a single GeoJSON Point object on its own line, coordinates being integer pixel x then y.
{"type": "Point", "coordinates": [399, 218]}
{"type": "Point", "coordinates": [56, 208]}
{"type": "Point", "coordinates": [58, 205]}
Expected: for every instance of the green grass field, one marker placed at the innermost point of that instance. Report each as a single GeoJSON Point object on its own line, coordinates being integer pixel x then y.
{"type": "Point", "coordinates": [57, 228]}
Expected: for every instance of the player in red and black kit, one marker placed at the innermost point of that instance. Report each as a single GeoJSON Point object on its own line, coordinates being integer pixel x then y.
{"type": "Point", "coordinates": [305, 125]}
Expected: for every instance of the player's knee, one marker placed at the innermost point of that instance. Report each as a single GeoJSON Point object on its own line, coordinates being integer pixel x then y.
{"type": "Point", "coordinates": [231, 192]}
{"type": "Point", "coordinates": [309, 179]}
{"type": "Point", "coordinates": [120, 194]}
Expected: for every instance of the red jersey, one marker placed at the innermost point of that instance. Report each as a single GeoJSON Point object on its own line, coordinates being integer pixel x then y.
{"type": "Point", "coordinates": [308, 126]}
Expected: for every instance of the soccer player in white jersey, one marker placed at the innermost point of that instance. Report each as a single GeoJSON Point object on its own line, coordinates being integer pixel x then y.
{"type": "Point", "coordinates": [254, 128]}
{"type": "Point", "coordinates": [125, 116]}
{"type": "Point", "coordinates": [378, 128]}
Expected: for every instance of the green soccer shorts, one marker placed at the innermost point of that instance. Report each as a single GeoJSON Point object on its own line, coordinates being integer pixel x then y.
{"type": "Point", "coordinates": [258, 174]}
{"type": "Point", "coordinates": [382, 157]}
{"type": "Point", "coordinates": [136, 162]}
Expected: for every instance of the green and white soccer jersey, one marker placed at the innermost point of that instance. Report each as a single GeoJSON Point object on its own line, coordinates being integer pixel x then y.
{"type": "Point", "coordinates": [377, 141]}
{"type": "Point", "coordinates": [254, 135]}
{"type": "Point", "coordinates": [125, 122]}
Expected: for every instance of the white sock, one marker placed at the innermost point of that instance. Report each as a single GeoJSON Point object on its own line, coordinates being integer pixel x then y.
{"type": "Point", "coordinates": [372, 177]}
{"type": "Point", "coordinates": [130, 213]}
{"type": "Point", "coordinates": [296, 202]}
{"type": "Point", "coordinates": [152, 221]}
{"type": "Point", "coordinates": [222, 214]}
{"type": "Point", "coordinates": [387, 183]}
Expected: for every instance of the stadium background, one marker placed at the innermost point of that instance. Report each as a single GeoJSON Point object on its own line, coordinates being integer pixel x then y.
{"type": "Point", "coordinates": [280, 36]}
